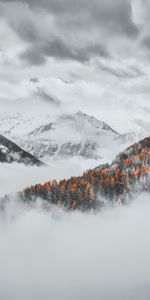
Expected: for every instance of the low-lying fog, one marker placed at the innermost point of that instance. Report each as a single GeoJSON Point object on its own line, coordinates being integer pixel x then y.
{"type": "Point", "coordinates": [74, 256]}
{"type": "Point", "coordinates": [15, 177]}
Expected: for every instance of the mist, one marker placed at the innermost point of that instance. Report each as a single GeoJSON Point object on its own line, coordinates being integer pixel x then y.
{"type": "Point", "coordinates": [15, 177]}
{"type": "Point", "coordinates": [51, 254]}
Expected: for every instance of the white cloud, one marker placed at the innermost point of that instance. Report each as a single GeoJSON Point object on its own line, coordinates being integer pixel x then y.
{"type": "Point", "coordinates": [75, 256]}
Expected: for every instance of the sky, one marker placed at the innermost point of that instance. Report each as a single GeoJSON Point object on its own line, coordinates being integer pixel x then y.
{"type": "Point", "coordinates": [71, 55]}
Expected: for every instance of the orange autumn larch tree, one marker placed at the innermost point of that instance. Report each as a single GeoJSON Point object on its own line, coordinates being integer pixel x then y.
{"type": "Point", "coordinates": [111, 182]}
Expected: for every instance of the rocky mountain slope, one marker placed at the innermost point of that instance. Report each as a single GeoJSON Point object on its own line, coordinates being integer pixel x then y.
{"type": "Point", "coordinates": [128, 173]}
{"type": "Point", "coordinates": [11, 152]}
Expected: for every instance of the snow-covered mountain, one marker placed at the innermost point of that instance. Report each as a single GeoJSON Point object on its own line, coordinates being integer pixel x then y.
{"type": "Point", "coordinates": [70, 135]}
{"type": "Point", "coordinates": [65, 136]}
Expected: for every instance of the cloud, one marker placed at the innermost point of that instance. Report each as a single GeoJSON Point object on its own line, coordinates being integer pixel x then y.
{"type": "Point", "coordinates": [33, 56]}
{"type": "Point", "coordinates": [42, 94]}
{"type": "Point", "coordinates": [34, 80]}
{"type": "Point", "coordinates": [58, 49]}
{"type": "Point", "coordinates": [115, 14]}
{"type": "Point", "coordinates": [146, 42]}
{"type": "Point", "coordinates": [128, 72]}
{"type": "Point", "coordinates": [63, 29]}
{"type": "Point", "coordinates": [94, 45]}
{"type": "Point", "coordinates": [54, 255]}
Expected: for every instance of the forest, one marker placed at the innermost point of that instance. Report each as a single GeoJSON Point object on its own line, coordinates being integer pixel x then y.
{"type": "Point", "coordinates": [115, 182]}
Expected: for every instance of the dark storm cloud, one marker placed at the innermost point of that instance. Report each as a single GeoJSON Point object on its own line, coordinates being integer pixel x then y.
{"type": "Point", "coordinates": [27, 31]}
{"type": "Point", "coordinates": [146, 42]}
{"type": "Point", "coordinates": [74, 21]}
{"type": "Point", "coordinates": [40, 93]}
{"type": "Point", "coordinates": [114, 14]}
{"type": "Point", "coordinates": [33, 56]}
{"type": "Point", "coordinates": [36, 54]}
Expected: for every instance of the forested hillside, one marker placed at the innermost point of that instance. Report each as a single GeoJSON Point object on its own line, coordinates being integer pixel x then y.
{"type": "Point", "coordinates": [128, 172]}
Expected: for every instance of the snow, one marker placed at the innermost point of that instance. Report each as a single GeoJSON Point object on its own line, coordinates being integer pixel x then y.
{"type": "Point", "coordinates": [48, 136]}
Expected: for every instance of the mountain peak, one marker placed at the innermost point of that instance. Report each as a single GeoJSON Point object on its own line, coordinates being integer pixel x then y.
{"type": "Point", "coordinates": [98, 124]}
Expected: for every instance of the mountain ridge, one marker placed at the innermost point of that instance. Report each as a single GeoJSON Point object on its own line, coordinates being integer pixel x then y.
{"type": "Point", "coordinates": [70, 135]}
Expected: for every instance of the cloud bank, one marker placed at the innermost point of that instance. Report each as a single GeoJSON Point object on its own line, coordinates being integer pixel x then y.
{"type": "Point", "coordinates": [51, 254]}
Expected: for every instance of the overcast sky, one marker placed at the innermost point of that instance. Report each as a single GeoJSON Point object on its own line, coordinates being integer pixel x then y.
{"type": "Point", "coordinates": [85, 52]}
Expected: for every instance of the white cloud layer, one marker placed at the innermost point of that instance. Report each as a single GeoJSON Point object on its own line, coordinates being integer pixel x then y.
{"type": "Point", "coordinates": [54, 255]}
